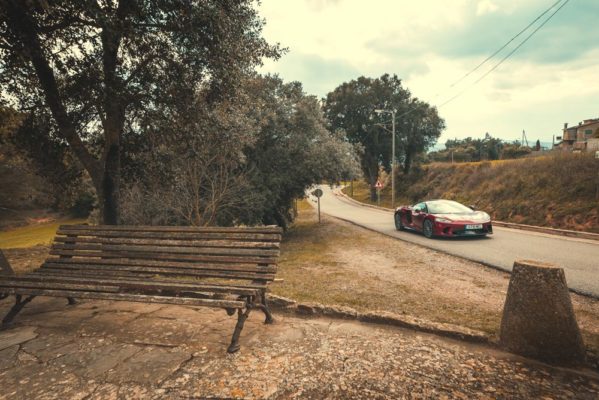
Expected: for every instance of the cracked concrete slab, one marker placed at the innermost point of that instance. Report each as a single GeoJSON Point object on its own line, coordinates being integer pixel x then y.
{"type": "Point", "coordinates": [94, 362]}
{"type": "Point", "coordinates": [9, 338]}
{"type": "Point", "coordinates": [151, 353]}
{"type": "Point", "coordinates": [8, 357]}
{"type": "Point", "coordinates": [148, 367]}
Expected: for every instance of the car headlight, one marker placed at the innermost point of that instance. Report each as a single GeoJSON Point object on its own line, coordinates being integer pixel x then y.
{"type": "Point", "coordinates": [485, 217]}
{"type": "Point", "coordinates": [445, 220]}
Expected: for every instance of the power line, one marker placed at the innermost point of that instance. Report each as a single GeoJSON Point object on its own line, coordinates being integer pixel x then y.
{"type": "Point", "coordinates": [509, 54]}
{"type": "Point", "coordinates": [494, 54]}
{"type": "Point", "coordinates": [505, 45]}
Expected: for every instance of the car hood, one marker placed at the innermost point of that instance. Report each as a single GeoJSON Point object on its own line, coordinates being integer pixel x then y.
{"type": "Point", "coordinates": [474, 216]}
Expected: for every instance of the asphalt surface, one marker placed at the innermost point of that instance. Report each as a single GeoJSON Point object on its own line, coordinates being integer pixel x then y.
{"type": "Point", "coordinates": [578, 257]}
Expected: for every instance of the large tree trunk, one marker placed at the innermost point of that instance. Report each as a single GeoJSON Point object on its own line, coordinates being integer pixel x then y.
{"type": "Point", "coordinates": [111, 186]}
{"type": "Point", "coordinates": [114, 119]}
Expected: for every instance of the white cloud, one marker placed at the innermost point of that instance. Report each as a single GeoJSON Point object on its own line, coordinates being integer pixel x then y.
{"type": "Point", "coordinates": [485, 7]}
{"type": "Point", "coordinates": [330, 40]}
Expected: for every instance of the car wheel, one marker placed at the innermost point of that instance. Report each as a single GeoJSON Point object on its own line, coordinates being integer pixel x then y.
{"type": "Point", "coordinates": [427, 228]}
{"type": "Point", "coordinates": [398, 224]}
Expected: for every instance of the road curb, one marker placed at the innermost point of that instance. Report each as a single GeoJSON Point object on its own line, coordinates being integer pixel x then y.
{"type": "Point", "coordinates": [511, 225]}
{"type": "Point", "coordinates": [380, 317]}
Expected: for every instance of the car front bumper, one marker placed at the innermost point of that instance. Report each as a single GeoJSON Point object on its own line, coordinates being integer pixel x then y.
{"type": "Point", "coordinates": [454, 229]}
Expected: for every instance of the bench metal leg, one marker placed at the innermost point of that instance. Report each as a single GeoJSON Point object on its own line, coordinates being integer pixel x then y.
{"type": "Point", "coordinates": [264, 307]}
{"type": "Point", "coordinates": [71, 301]}
{"type": "Point", "coordinates": [19, 304]}
{"type": "Point", "coordinates": [241, 317]}
{"type": "Point", "coordinates": [230, 311]}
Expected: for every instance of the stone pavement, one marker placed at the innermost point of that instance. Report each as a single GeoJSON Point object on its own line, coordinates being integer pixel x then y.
{"type": "Point", "coordinates": [113, 350]}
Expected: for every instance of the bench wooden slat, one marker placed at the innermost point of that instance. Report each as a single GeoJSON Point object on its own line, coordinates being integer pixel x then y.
{"type": "Point", "coordinates": [187, 301]}
{"type": "Point", "coordinates": [150, 228]}
{"type": "Point", "coordinates": [164, 271]}
{"type": "Point", "coordinates": [170, 242]}
{"type": "Point", "coordinates": [168, 249]}
{"type": "Point", "coordinates": [164, 256]}
{"type": "Point", "coordinates": [166, 264]}
{"type": "Point", "coordinates": [253, 237]}
{"type": "Point", "coordinates": [26, 283]}
{"type": "Point", "coordinates": [103, 284]}
{"type": "Point", "coordinates": [126, 275]}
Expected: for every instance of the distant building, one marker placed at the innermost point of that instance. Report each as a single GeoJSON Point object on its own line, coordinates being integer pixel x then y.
{"type": "Point", "coordinates": [584, 137]}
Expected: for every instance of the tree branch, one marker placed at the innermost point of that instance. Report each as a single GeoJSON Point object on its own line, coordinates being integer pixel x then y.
{"type": "Point", "coordinates": [25, 27]}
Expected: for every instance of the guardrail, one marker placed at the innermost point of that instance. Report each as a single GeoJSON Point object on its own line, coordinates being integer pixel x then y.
{"type": "Point", "coordinates": [551, 231]}
{"type": "Point", "coordinates": [532, 228]}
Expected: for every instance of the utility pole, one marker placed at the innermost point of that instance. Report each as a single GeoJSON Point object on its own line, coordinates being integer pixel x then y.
{"type": "Point", "coordinates": [524, 139]}
{"type": "Point", "coordinates": [393, 161]}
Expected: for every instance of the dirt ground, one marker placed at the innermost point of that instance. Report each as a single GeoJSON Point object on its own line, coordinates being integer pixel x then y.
{"type": "Point", "coordinates": [351, 266]}
{"type": "Point", "coordinates": [117, 350]}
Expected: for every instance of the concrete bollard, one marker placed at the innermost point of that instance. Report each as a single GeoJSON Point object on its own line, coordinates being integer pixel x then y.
{"type": "Point", "coordinates": [538, 319]}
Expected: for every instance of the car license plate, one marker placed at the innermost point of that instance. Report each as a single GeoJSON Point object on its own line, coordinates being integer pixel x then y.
{"type": "Point", "coordinates": [477, 226]}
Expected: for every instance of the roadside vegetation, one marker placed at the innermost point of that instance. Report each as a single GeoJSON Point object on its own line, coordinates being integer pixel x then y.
{"type": "Point", "coordinates": [558, 191]}
{"type": "Point", "coordinates": [487, 148]}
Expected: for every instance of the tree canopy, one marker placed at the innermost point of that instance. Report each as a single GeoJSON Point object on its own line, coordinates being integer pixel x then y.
{"type": "Point", "coordinates": [99, 66]}
{"type": "Point", "coordinates": [240, 162]}
{"type": "Point", "coordinates": [351, 106]}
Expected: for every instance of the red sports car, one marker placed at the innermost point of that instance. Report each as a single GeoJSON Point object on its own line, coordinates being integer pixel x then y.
{"type": "Point", "coordinates": [443, 218]}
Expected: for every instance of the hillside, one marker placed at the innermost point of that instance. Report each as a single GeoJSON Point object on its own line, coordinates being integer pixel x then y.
{"type": "Point", "coordinates": [557, 191]}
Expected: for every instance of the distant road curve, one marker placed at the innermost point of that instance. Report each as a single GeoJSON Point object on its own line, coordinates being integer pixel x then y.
{"type": "Point", "coordinates": [578, 257]}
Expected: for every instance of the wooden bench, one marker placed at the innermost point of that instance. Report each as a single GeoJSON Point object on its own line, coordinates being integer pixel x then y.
{"type": "Point", "coordinates": [228, 268]}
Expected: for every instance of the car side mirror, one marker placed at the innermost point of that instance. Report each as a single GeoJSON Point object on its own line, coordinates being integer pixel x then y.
{"type": "Point", "coordinates": [472, 207]}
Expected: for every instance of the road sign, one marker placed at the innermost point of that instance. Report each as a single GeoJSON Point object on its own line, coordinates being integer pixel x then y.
{"type": "Point", "coordinates": [378, 185]}
{"type": "Point", "coordinates": [318, 193]}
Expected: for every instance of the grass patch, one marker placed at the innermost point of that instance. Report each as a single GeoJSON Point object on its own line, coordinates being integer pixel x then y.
{"type": "Point", "coordinates": [33, 235]}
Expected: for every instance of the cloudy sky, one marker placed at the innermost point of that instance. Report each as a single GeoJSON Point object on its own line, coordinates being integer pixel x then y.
{"type": "Point", "coordinates": [430, 44]}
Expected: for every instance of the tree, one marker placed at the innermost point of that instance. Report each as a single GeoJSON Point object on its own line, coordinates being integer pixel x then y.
{"type": "Point", "coordinates": [241, 161]}
{"type": "Point", "coordinates": [293, 148]}
{"type": "Point", "coordinates": [419, 130]}
{"type": "Point", "coordinates": [351, 107]}
{"type": "Point", "coordinates": [99, 66]}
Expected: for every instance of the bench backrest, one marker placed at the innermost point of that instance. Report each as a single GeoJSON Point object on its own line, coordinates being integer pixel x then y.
{"type": "Point", "coordinates": [248, 253]}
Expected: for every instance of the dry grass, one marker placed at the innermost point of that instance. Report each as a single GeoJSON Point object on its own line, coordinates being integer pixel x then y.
{"type": "Point", "coordinates": [32, 235]}
{"type": "Point", "coordinates": [337, 263]}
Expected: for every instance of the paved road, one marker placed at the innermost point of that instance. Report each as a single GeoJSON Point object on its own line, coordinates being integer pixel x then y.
{"type": "Point", "coordinates": [578, 257]}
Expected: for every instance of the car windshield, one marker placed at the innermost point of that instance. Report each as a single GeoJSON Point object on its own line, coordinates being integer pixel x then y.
{"type": "Point", "coordinates": [447, 207]}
